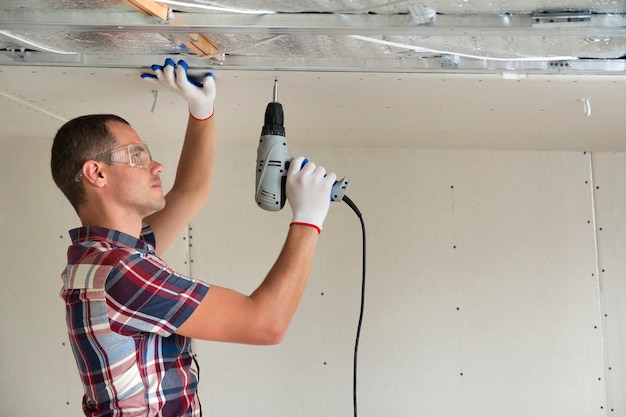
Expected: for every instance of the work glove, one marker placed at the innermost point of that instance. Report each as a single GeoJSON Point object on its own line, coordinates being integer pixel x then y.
{"type": "Point", "coordinates": [308, 192]}
{"type": "Point", "coordinates": [199, 96]}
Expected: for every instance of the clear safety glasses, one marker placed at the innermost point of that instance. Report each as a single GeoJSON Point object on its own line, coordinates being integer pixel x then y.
{"type": "Point", "coordinates": [134, 155]}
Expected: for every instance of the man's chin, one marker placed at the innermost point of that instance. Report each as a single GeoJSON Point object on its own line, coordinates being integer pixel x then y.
{"type": "Point", "coordinates": [156, 207]}
{"type": "Point", "coordinates": [160, 206]}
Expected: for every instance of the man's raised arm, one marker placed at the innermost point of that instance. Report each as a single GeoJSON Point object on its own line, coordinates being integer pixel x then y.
{"type": "Point", "coordinates": [194, 174]}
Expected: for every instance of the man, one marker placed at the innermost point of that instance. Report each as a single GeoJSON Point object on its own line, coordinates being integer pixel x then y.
{"type": "Point", "coordinates": [130, 316]}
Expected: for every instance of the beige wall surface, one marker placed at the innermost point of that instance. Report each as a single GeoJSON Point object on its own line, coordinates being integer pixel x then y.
{"type": "Point", "coordinates": [495, 286]}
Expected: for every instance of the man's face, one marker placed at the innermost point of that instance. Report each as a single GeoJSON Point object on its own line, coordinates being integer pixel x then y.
{"type": "Point", "coordinates": [138, 189]}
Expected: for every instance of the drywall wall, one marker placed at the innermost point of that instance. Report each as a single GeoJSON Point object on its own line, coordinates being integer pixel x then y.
{"type": "Point", "coordinates": [495, 286]}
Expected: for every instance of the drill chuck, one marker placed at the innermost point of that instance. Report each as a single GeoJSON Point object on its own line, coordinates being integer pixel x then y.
{"type": "Point", "coordinates": [274, 120]}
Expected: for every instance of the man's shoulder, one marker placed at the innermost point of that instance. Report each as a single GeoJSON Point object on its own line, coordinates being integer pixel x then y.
{"type": "Point", "coordinates": [89, 264]}
{"type": "Point", "coordinates": [95, 252]}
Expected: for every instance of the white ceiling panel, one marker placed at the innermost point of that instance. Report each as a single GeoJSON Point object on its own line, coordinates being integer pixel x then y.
{"type": "Point", "coordinates": [539, 112]}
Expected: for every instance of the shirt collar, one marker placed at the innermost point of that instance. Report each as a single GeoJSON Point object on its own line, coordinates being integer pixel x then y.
{"type": "Point", "coordinates": [115, 237]}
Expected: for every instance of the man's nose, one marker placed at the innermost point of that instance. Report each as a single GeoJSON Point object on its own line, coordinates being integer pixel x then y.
{"type": "Point", "coordinates": [156, 167]}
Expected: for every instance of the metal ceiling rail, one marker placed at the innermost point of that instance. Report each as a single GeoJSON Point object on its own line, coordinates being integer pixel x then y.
{"type": "Point", "coordinates": [23, 23]}
{"type": "Point", "coordinates": [442, 64]}
{"type": "Point", "coordinates": [611, 25]}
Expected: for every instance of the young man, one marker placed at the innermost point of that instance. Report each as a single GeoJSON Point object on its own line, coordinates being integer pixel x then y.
{"type": "Point", "coordinates": [130, 316]}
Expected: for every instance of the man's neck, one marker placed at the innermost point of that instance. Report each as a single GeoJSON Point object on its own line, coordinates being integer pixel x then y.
{"type": "Point", "coordinates": [122, 222]}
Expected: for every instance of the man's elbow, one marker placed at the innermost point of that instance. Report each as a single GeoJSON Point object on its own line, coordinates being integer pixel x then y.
{"type": "Point", "coordinates": [275, 339]}
{"type": "Point", "coordinates": [274, 333]}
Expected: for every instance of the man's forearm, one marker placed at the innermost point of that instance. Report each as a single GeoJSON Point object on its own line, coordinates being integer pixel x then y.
{"type": "Point", "coordinates": [263, 317]}
{"type": "Point", "coordinates": [197, 159]}
{"type": "Point", "coordinates": [284, 286]}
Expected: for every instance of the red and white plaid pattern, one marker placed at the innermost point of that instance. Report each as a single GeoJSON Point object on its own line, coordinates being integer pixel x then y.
{"type": "Point", "coordinates": [123, 306]}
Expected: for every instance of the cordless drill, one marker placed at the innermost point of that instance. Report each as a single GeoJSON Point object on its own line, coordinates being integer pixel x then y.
{"type": "Point", "coordinates": [273, 160]}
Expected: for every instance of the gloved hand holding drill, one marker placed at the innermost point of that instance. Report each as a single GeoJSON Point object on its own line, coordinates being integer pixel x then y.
{"type": "Point", "coordinates": [199, 96]}
{"type": "Point", "coordinates": [308, 188]}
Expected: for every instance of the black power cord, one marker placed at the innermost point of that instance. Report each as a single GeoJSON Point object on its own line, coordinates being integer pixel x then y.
{"type": "Point", "coordinates": [358, 330]}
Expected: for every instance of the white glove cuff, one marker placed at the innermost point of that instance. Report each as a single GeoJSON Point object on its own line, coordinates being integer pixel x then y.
{"type": "Point", "coordinates": [316, 227]}
{"type": "Point", "coordinates": [199, 113]}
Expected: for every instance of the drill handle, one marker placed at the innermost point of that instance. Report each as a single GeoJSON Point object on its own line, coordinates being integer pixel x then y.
{"type": "Point", "coordinates": [339, 190]}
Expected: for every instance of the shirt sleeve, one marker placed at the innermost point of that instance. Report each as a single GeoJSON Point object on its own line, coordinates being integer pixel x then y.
{"type": "Point", "coordinates": [143, 294]}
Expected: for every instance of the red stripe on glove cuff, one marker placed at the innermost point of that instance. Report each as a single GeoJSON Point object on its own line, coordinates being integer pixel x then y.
{"type": "Point", "coordinates": [201, 120]}
{"type": "Point", "coordinates": [316, 227]}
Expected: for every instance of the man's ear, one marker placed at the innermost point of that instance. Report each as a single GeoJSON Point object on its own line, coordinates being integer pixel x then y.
{"type": "Point", "coordinates": [92, 173]}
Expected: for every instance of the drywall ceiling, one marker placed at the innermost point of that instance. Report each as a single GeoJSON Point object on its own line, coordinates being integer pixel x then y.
{"type": "Point", "coordinates": [539, 112]}
{"type": "Point", "coordinates": [546, 75]}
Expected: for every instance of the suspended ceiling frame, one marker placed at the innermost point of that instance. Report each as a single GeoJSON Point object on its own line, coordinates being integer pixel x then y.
{"type": "Point", "coordinates": [367, 26]}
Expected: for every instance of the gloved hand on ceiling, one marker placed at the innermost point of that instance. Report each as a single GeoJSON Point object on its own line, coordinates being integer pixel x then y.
{"type": "Point", "coordinates": [199, 96]}
{"type": "Point", "coordinates": [308, 192]}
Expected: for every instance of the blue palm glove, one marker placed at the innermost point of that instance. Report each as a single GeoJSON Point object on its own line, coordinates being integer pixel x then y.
{"type": "Point", "coordinates": [199, 96]}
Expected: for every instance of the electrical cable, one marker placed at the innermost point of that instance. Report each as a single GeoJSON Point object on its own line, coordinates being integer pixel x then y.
{"type": "Point", "coordinates": [195, 361]}
{"type": "Point", "coordinates": [35, 45]}
{"type": "Point", "coordinates": [358, 331]}
{"type": "Point", "coordinates": [417, 48]}
{"type": "Point", "coordinates": [217, 8]}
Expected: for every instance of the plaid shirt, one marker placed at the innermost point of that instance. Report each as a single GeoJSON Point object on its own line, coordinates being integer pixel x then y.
{"type": "Point", "coordinates": [123, 305]}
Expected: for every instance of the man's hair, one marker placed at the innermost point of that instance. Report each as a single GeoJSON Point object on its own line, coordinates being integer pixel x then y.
{"type": "Point", "coordinates": [76, 142]}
